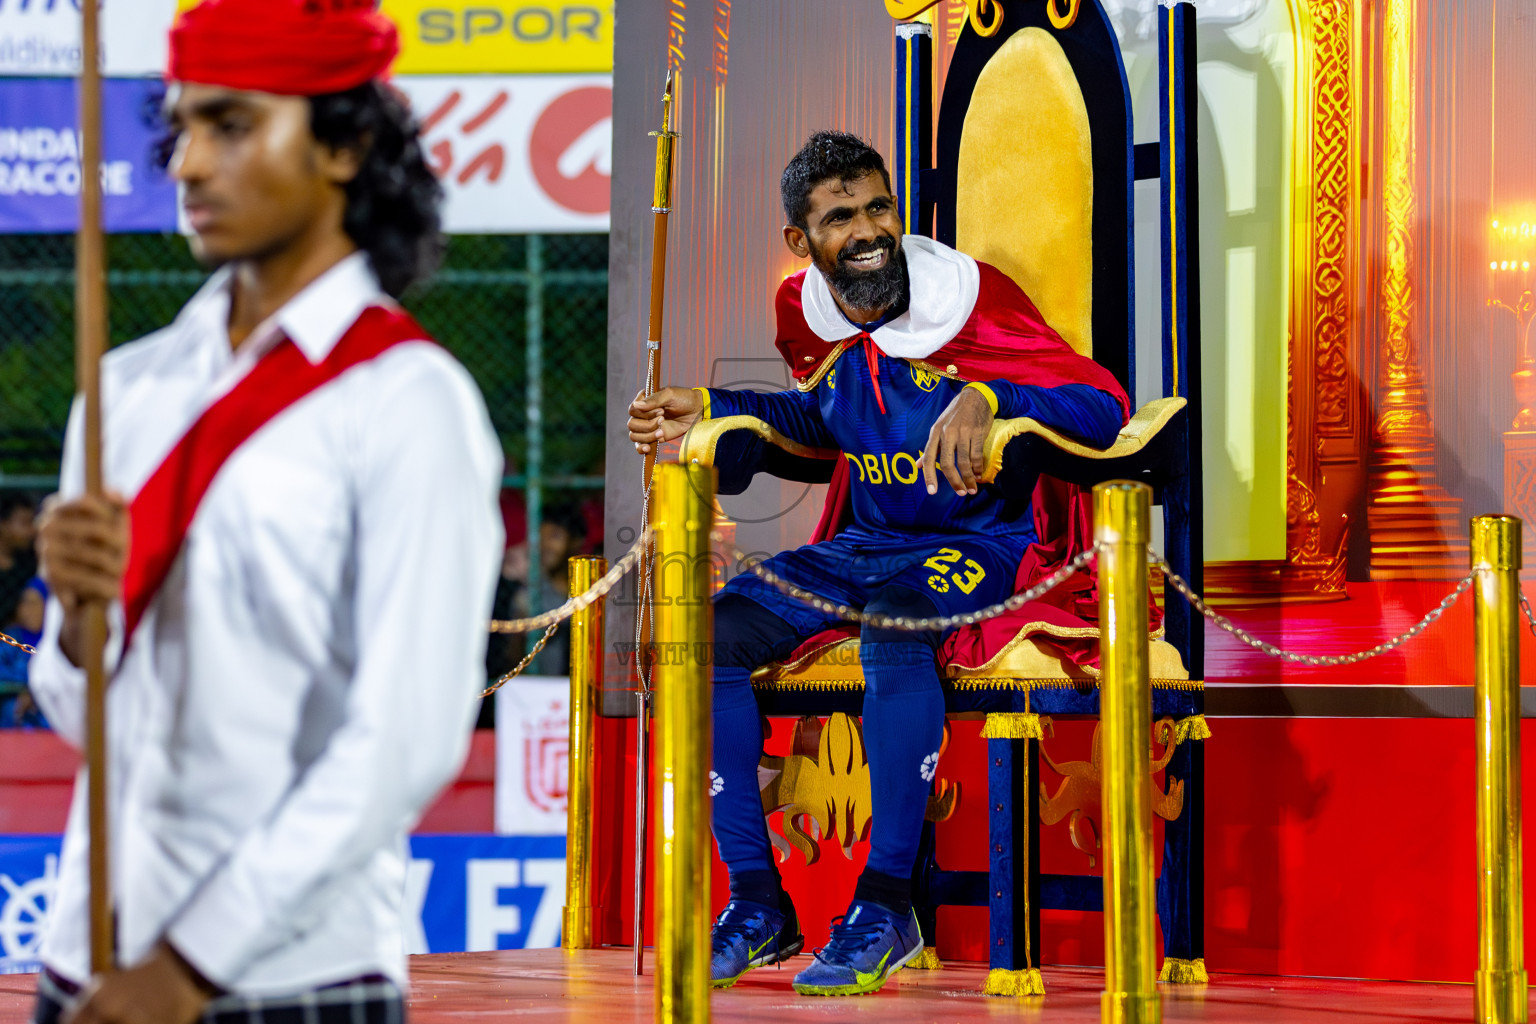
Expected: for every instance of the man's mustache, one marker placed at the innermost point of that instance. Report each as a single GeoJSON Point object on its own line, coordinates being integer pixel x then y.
{"type": "Point", "coordinates": [856, 249]}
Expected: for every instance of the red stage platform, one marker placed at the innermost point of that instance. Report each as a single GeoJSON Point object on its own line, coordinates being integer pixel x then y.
{"type": "Point", "coordinates": [540, 985]}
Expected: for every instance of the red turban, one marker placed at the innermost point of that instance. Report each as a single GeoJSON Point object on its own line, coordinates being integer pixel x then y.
{"type": "Point", "coordinates": [288, 47]}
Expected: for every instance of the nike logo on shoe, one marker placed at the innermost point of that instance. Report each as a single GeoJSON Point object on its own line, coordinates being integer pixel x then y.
{"type": "Point", "coordinates": [876, 974]}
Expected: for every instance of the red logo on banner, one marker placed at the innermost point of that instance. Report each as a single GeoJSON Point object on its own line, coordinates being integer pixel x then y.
{"type": "Point", "coordinates": [571, 149]}
{"type": "Point", "coordinates": [546, 760]}
{"type": "Point", "coordinates": [489, 159]}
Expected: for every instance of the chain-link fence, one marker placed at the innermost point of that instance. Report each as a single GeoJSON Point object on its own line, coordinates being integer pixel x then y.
{"type": "Point", "coordinates": [527, 314]}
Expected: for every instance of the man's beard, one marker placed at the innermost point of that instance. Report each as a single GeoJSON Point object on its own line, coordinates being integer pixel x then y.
{"type": "Point", "coordinates": [869, 289]}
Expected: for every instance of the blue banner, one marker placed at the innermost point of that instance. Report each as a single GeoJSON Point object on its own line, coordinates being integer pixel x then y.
{"type": "Point", "coordinates": [40, 157]}
{"type": "Point", "coordinates": [463, 893]}
{"type": "Point", "coordinates": [486, 892]}
{"type": "Point", "coordinates": [28, 867]}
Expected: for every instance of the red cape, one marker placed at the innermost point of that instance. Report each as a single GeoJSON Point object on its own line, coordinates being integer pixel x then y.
{"type": "Point", "coordinates": [1005, 338]}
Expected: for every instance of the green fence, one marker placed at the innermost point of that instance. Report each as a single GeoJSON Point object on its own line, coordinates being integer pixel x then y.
{"type": "Point", "coordinates": [527, 314]}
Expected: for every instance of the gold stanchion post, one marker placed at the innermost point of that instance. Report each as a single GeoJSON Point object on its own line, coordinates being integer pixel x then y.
{"type": "Point", "coordinates": [1122, 519]}
{"type": "Point", "coordinates": [681, 518]}
{"type": "Point", "coordinates": [1500, 987]}
{"type": "Point", "coordinates": [586, 669]}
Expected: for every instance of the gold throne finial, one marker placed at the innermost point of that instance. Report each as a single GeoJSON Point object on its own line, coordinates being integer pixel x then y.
{"type": "Point", "coordinates": [985, 16]}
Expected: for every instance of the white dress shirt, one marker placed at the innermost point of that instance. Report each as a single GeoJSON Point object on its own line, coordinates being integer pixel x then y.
{"type": "Point", "coordinates": [305, 681]}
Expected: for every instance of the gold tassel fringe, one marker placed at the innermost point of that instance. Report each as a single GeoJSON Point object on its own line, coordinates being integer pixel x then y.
{"type": "Point", "coordinates": [1014, 983]}
{"type": "Point", "coordinates": [1183, 972]}
{"type": "Point", "coordinates": [767, 682]}
{"type": "Point", "coordinates": [1061, 683]}
{"type": "Point", "coordinates": [1008, 725]}
{"type": "Point", "coordinates": [927, 960]}
{"type": "Point", "coordinates": [1192, 728]}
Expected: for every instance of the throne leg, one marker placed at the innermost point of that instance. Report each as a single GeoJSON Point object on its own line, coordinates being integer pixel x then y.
{"type": "Point", "coordinates": [923, 903]}
{"type": "Point", "coordinates": [1181, 886]}
{"type": "Point", "coordinates": [1013, 882]}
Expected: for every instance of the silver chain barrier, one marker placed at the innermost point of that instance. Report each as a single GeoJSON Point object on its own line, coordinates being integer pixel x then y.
{"type": "Point", "coordinates": [907, 623]}
{"type": "Point", "coordinates": [1530, 617]}
{"type": "Point", "coordinates": [1315, 660]}
{"type": "Point", "coordinates": [1016, 601]}
{"type": "Point", "coordinates": [517, 669]}
{"type": "Point", "coordinates": [548, 621]}
{"type": "Point", "coordinates": [17, 644]}
{"type": "Point", "coordinates": [586, 599]}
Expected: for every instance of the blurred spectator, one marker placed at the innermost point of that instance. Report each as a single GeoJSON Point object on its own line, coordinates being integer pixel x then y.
{"type": "Point", "coordinates": [18, 558]}
{"type": "Point", "coordinates": [16, 706]}
{"type": "Point", "coordinates": [562, 534]}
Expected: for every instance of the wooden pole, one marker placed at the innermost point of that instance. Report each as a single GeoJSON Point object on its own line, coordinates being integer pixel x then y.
{"type": "Point", "coordinates": [90, 340]}
{"type": "Point", "coordinates": [661, 209]}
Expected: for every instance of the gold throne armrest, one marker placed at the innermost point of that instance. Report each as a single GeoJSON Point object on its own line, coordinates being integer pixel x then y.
{"type": "Point", "coordinates": [699, 444]}
{"type": "Point", "coordinates": [1133, 437]}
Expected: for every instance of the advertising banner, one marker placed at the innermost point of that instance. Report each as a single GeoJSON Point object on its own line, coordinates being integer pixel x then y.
{"type": "Point", "coordinates": [40, 157]}
{"type": "Point", "coordinates": [437, 37]}
{"type": "Point", "coordinates": [454, 37]}
{"type": "Point", "coordinates": [42, 37]}
{"type": "Point", "coordinates": [475, 893]}
{"type": "Point", "coordinates": [463, 893]}
{"type": "Point", "coordinates": [532, 755]}
{"type": "Point", "coordinates": [29, 866]}
{"type": "Point", "coordinates": [518, 153]}
{"type": "Point", "coordinates": [515, 153]}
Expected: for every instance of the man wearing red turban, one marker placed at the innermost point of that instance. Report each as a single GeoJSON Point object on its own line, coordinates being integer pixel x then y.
{"type": "Point", "coordinates": [301, 484]}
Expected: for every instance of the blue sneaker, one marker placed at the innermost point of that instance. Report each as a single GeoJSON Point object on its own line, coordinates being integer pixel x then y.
{"type": "Point", "coordinates": [748, 935]}
{"type": "Point", "coordinates": [868, 945]}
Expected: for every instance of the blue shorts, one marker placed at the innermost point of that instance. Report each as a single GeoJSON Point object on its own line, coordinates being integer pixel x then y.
{"type": "Point", "coordinates": [958, 572]}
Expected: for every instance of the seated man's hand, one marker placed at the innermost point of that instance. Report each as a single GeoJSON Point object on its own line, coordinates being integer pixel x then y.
{"type": "Point", "coordinates": [957, 443]}
{"type": "Point", "coordinates": [665, 416]}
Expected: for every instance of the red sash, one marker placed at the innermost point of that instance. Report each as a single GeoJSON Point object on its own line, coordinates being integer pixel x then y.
{"type": "Point", "coordinates": [162, 512]}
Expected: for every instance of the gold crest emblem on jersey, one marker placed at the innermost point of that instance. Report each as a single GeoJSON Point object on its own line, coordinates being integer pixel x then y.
{"type": "Point", "coordinates": [925, 379]}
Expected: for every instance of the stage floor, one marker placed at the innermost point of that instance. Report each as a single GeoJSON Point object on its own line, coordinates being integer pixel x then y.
{"type": "Point", "coordinates": [550, 985]}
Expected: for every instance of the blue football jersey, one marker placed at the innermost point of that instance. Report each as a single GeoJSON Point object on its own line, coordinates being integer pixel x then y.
{"type": "Point", "coordinates": [878, 410]}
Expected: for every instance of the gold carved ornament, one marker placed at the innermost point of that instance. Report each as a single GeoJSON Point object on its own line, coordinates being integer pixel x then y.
{"type": "Point", "coordinates": [986, 16]}
{"type": "Point", "coordinates": [1077, 797]}
{"type": "Point", "coordinates": [822, 787]}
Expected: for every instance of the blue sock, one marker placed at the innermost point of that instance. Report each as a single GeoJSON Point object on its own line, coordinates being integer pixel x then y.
{"type": "Point", "coordinates": [740, 828]}
{"type": "Point", "coordinates": [903, 729]}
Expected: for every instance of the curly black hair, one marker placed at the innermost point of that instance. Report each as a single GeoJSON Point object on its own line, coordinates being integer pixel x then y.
{"type": "Point", "coordinates": [393, 205]}
{"type": "Point", "coordinates": [826, 156]}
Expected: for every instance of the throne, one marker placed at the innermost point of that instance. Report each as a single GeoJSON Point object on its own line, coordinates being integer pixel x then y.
{"type": "Point", "coordinates": [1035, 175]}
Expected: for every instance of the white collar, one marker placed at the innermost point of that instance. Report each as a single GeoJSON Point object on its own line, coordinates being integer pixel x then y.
{"type": "Point", "coordinates": [314, 319]}
{"type": "Point", "coordinates": [943, 285]}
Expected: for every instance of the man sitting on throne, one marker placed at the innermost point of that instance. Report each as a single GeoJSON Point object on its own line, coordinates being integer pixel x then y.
{"type": "Point", "coordinates": [903, 351]}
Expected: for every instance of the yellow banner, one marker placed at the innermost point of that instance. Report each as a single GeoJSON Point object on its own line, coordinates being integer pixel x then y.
{"type": "Point", "coordinates": [503, 37]}
{"type": "Point", "coordinates": [466, 37]}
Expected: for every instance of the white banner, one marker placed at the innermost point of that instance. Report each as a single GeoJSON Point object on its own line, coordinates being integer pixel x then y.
{"type": "Point", "coordinates": [42, 37]}
{"type": "Point", "coordinates": [532, 755]}
{"type": "Point", "coordinates": [518, 153]}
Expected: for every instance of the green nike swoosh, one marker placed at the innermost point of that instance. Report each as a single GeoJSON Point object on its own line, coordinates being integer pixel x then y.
{"type": "Point", "coordinates": [752, 953]}
{"type": "Point", "coordinates": [874, 975]}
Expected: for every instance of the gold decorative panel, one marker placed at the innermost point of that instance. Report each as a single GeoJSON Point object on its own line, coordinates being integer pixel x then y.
{"type": "Point", "coordinates": [1077, 797]}
{"type": "Point", "coordinates": [821, 788]}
